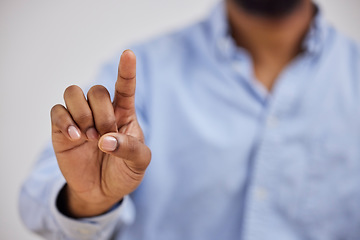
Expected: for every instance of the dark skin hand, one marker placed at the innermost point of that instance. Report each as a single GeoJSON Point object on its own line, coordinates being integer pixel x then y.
{"type": "Point", "coordinates": [99, 144]}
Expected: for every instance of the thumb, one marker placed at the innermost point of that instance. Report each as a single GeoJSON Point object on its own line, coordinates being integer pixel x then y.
{"type": "Point", "coordinates": [136, 154]}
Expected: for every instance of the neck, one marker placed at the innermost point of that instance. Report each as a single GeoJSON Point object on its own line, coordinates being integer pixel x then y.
{"type": "Point", "coordinates": [272, 42]}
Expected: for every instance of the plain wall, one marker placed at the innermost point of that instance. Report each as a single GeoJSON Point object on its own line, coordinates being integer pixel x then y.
{"type": "Point", "coordinates": [48, 45]}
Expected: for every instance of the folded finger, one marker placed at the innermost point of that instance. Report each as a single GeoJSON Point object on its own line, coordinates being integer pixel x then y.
{"type": "Point", "coordinates": [80, 111]}
{"type": "Point", "coordinates": [102, 109]}
{"type": "Point", "coordinates": [61, 121]}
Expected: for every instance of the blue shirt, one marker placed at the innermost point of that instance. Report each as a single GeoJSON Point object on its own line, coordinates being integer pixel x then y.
{"type": "Point", "coordinates": [230, 160]}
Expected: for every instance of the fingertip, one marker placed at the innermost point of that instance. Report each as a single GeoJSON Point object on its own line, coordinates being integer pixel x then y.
{"type": "Point", "coordinates": [74, 133]}
{"type": "Point", "coordinates": [127, 66]}
{"type": "Point", "coordinates": [92, 134]}
{"type": "Point", "coordinates": [71, 91]}
{"type": "Point", "coordinates": [128, 51]}
{"type": "Point", "coordinates": [128, 56]}
{"type": "Point", "coordinates": [108, 143]}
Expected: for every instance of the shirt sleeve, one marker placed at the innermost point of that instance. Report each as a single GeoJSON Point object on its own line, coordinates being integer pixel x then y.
{"type": "Point", "coordinates": [39, 212]}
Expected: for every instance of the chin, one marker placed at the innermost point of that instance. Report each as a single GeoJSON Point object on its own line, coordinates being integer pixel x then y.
{"type": "Point", "coordinates": [269, 8]}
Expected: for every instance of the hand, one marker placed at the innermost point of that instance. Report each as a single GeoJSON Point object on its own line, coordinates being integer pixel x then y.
{"type": "Point", "coordinates": [99, 145]}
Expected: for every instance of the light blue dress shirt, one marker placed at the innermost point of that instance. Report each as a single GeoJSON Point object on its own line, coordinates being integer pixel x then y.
{"type": "Point", "coordinates": [230, 160]}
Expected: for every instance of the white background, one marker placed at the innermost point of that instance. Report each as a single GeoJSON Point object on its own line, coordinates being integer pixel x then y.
{"type": "Point", "coordinates": [48, 45]}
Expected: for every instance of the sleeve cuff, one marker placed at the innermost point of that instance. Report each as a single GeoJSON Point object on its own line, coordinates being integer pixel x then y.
{"type": "Point", "coordinates": [100, 227]}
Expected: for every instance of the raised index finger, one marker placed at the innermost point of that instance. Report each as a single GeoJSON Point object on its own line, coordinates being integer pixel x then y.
{"type": "Point", "coordinates": [124, 99]}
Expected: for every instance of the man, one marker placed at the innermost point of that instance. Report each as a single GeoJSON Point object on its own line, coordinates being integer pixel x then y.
{"type": "Point", "coordinates": [252, 118]}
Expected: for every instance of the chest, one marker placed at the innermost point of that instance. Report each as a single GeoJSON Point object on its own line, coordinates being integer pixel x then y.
{"type": "Point", "coordinates": [303, 149]}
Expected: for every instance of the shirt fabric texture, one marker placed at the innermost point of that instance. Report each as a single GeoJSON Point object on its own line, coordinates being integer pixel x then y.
{"type": "Point", "coordinates": [229, 160]}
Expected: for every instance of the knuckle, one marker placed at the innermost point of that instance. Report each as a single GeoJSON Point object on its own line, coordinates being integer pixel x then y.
{"type": "Point", "coordinates": [71, 91]}
{"type": "Point", "coordinates": [126, 93]}
{"type": "Point", "coordinates": [149, 153]}
{"type": "Point", "coordinates": [146, 157]}
{"type": "Point", "coordinates": [56, 114]}
{"type": "Point", "coordinates": [98, 91]}
{"type": "Point", "coordinates": [84, 118]}
{"type": "Point", "coordinates": [106, 126]}
{"type": "Point", "coordinates": [55, 109]}
{"type": "Point", "coordinates": [132, 146]}
{"type": "Point", "coordinates": [60, 118]}
{"type": "Point", "coordinates": [62, 121]}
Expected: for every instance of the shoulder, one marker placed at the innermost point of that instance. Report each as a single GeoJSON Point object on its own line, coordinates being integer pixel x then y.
{"type": "Point", "coordinates": [343, 46]}
{"type": "Point", "coordinates": [340, 65]}
{"type": "Point", "coordinates": [343, 54]}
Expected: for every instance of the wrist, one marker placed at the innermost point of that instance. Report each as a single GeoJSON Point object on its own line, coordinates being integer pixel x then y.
{"type": "Point", "coordinates": [72, 205]}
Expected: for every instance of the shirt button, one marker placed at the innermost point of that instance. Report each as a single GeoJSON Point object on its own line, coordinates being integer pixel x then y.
{"type": "Point", "coordinates": [260, 193]}
{"type": "Point", "coordinates": [84, 231]}
{"type": "Point", "coordinates": [272, 121]}
{"type": "Point", "coordinates": [237, 66]}
{"type": "Point", "coordinates": [224, 44]}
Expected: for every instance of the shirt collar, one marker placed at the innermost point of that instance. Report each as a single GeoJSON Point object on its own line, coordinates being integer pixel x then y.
{"type": "Point", "coordinates": [219, 28]}
{"type": "Point", "coordinates": [316, 35]}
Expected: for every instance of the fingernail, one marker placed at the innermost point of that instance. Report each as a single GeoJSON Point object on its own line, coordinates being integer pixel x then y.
{"type": "Point", "coordinates": [92, 134]}
{"type": "Point", "coordinates": [126, 50]}
{"type": "Point", "coordinates": [108, 143]}
{"type": "Point", "coordinates": [73, 133]}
